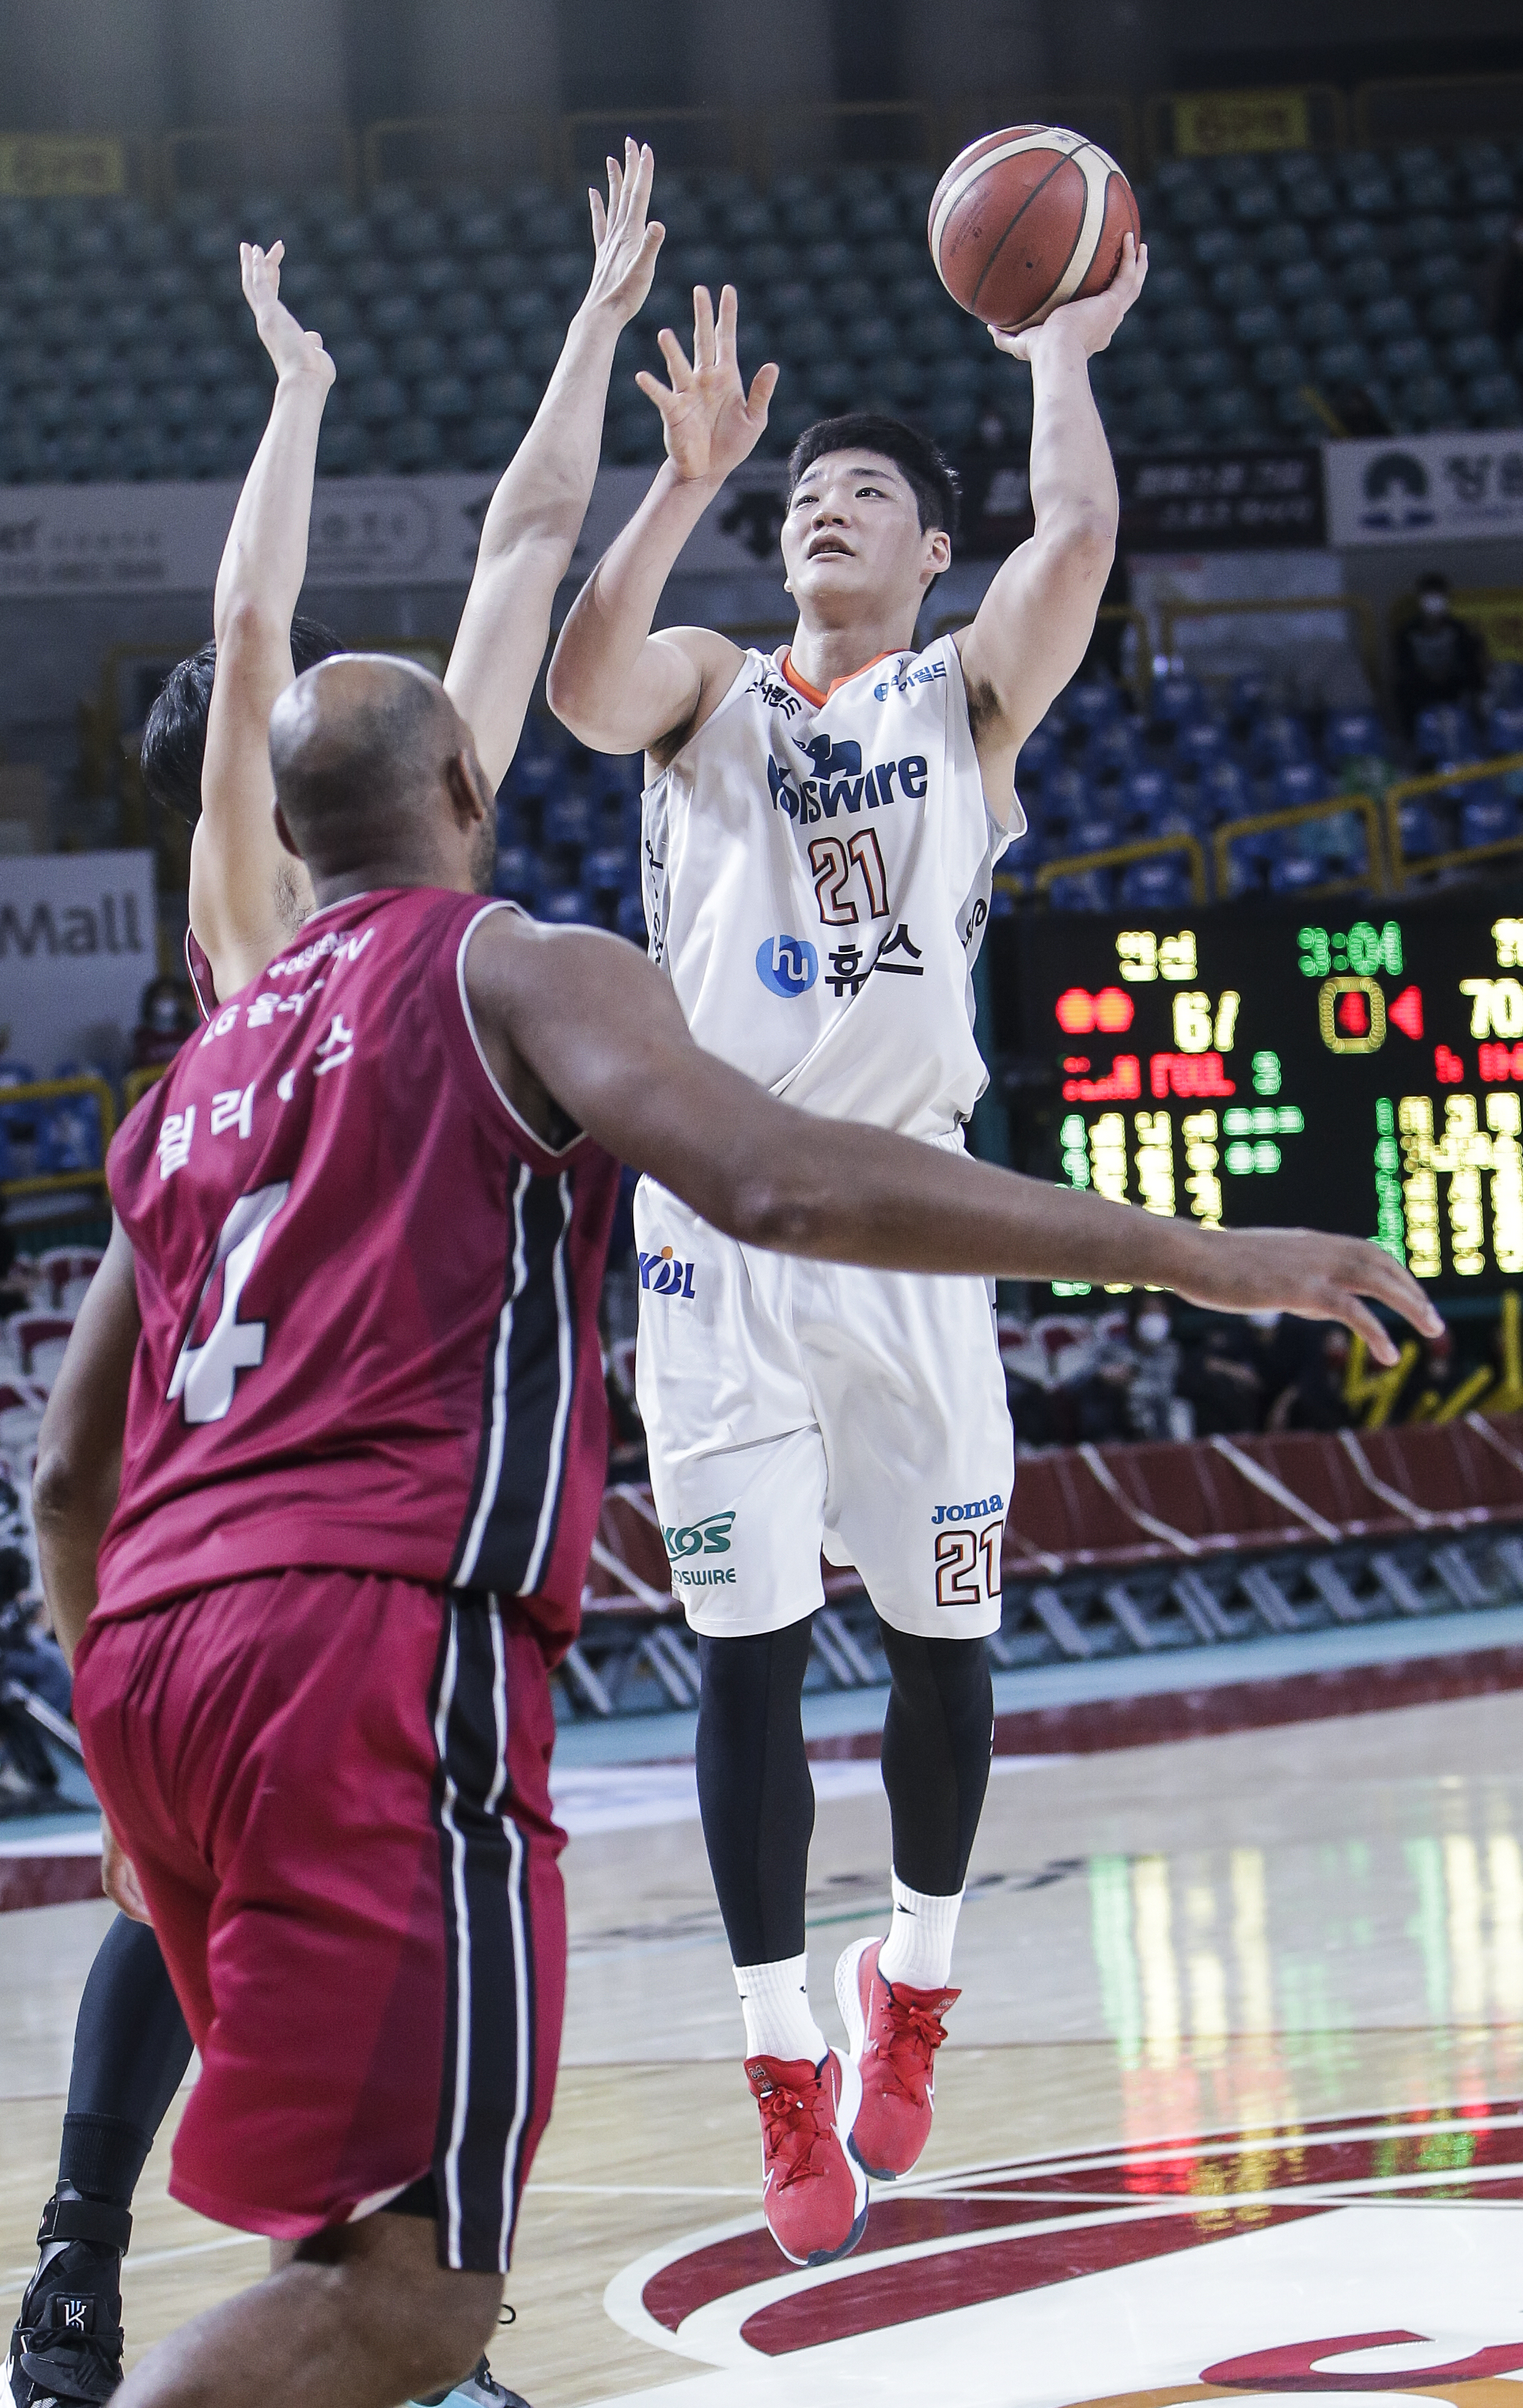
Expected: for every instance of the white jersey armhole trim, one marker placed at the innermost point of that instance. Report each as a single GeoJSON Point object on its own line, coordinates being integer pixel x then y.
{"type": "Point", "coordinates": [552, 1153]}
{"type": "Point", "coordinates": [734, 687]}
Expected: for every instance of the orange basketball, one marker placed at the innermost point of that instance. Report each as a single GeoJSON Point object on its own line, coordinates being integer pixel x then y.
{"type": "Point", "coordinates": [1027, 219]}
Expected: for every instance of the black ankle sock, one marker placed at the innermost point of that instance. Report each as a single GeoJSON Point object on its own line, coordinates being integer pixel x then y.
{"type": "Point", "coordinates": [103, 2156]}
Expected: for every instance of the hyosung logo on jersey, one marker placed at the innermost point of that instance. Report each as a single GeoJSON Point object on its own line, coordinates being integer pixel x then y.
{"type": "Point", "coordinates": [787, 965]}
{"type": "Point", "coordinates": [840, 784]}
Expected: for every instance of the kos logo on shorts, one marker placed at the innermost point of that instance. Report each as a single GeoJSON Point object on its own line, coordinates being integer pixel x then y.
{"type": "Point", "coordinates": [787, 965]}
{"type": "Point", "coordinates": [709, 1536]}
{"type": "Point", "coordinates": [664, 1275]}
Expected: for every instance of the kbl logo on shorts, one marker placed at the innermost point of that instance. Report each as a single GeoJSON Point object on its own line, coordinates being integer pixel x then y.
{"type": "Point", "coordinates": [787, 965]}
{"type": "Point", "coordinates": [664, 1275]}
{"type": "Point", "coordinates": [709, 1536]}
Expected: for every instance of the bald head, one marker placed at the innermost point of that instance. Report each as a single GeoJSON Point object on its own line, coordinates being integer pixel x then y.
{"type": "Point", "coordinates": [374, 770]}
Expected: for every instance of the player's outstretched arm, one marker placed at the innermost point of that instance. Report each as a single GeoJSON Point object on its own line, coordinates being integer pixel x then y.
{"type": "Point", "coordinates": [536, 514]}
{"type": "Point", "coordinates": [617, 686]}
{"type": "Point", "coordinates": [600, 1032]}
{"type": "Point", "coordinates": [247, 894]}
{"type": "Point", "coordinates": [73, 1487]}
{"type": "Point", "coordinates": [1035, 623]}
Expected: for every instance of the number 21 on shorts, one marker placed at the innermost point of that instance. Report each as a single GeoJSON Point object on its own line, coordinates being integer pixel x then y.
{"type": "Point", "coordinates": [968, 1566]}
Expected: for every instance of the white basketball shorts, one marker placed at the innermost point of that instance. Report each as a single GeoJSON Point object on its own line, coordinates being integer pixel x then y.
{"type": "Point", "coordinates": [794, 1407]}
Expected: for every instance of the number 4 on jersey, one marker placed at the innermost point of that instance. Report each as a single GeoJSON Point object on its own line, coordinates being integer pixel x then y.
{"type": "Point", "coordinates": [205, 1376]}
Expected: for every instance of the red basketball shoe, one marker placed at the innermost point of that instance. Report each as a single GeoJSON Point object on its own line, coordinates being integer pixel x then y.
{"type": "Point", "coordinates": [894, 2033]}
{"type": "Point", "coordinates": [813, 2193]}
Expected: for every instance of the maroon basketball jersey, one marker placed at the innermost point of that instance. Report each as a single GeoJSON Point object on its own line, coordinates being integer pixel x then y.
{"type": "Point", "coordinates": [368, 1292]}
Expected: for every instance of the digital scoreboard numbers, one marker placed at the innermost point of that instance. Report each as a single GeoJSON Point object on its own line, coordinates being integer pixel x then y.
{"type": "Point", "coordinates": [1362, 1074]}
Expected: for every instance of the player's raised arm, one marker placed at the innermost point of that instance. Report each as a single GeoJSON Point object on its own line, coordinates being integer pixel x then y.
{"type": "Point", "coordinates": [617, 686]}
{"type": "Point", "coordinates": [536, 514]}
{"type": "Point", "coordinates": [603, 1035]}
{"type": "Point", "coordinates": [1034, 626]}
{"type": "Point", "coordinates": [247, 895]}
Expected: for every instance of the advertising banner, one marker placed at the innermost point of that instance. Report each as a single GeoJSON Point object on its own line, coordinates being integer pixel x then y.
{"type": "Point", "coordinates": [1424, 488]}
{"type": "Point", "coordinates": [66, 539]}
{"type": "Point", "coordinates": [1220, 501]}
{"type": "Point", "coordinates": [78, 946]}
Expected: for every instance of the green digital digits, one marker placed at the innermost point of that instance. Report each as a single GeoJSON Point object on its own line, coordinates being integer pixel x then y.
{"type": "Point", "coordinates": [1266, 1066]}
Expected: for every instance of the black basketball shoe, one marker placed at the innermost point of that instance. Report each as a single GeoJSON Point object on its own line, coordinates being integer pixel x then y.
{"type": "Point", "coordinates": [480, 2389]}
{"type": "Point", "coordinates": [66, 2347]}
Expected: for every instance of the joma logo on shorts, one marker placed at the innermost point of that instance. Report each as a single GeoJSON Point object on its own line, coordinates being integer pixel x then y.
{"type": "Point", "coordinates": [974, 1511]}
{"type": "Point", "coordinates": [709, 1536]}
{"type": "Point", "coordinates": [664, 1275]}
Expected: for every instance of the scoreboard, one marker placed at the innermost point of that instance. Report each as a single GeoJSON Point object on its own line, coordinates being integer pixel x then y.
{"type": "Point", "coordinates": [1361, 1074]}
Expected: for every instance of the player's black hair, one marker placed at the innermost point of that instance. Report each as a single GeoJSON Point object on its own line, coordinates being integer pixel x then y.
{"type": "Point", "coordinates": [925, 468]}
{"type": "Point", "coordinates": [175, 731]}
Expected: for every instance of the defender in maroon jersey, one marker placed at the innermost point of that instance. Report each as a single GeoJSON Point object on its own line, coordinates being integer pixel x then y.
{"type": "Point", "coordinates": [324, 1390]}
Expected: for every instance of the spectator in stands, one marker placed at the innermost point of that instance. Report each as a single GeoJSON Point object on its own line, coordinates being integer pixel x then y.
{"type": "Point", "coordinates": [1306, 1363]}
{"type": "Point", "coordinates": [165, 1017]}
{"type": "Point", "coordinates": [1152, 1400]}
{"type": "Point", "coordinates": [1222, 1378]}
{"type": "Point", "coordinates": [1506, 312]}
{"type": "Point", "coordinates": [1438, 657]}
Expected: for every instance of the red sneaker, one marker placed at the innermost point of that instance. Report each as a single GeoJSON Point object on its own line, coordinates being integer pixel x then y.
{"type": "Point", "coordinates": [894, 2033]}
{"type": "Point", "coordinates": [813, 2193]}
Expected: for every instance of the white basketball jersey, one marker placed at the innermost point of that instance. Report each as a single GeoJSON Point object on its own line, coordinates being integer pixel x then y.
{"type": "Point", "coordinates": [816, 884]}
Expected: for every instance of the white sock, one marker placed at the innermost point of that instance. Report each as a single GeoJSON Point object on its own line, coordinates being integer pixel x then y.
{"type": "Point", "coordinates": [918, 1949]}
{"type": "Point", "coordinates": [774, 2001]}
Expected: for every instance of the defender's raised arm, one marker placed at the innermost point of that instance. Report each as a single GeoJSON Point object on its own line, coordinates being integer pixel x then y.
{"type": "Point", "coordinates": [247, 895]}
{"type": "Point", "coordinates": [536, 514]}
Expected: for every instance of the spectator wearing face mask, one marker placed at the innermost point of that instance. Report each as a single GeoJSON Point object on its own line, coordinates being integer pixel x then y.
{"type": "Point", "coordinates": [164, 1020]}
{"type": "Point", "coordinates": [1154, 1407]}
{"type": "Point", "coordinates": [1438, 657]}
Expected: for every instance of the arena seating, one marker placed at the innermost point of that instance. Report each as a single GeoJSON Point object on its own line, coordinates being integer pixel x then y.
{"type": "Point", "coordinates": [128, 351]}
{"type": "Point", "coordinates": [1099, 773]}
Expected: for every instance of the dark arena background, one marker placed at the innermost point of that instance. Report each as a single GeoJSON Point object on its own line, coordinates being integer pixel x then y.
{"type": "Point", "coordinates": [1232, 2104]}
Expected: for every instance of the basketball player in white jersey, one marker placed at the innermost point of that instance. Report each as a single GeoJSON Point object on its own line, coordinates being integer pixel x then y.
{"type": "Point", "coordinates": [820, 831]}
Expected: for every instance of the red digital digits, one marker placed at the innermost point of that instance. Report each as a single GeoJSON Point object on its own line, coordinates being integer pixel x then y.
{"type": "Point", "coordinates": [1448, 1069]}
{"type": "Point", "coordinates": [1082, 1014]}
{"type": "Point", "coordinates": [1406, 1012]}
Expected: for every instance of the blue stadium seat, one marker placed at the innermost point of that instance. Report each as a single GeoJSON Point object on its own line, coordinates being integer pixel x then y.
{"type": "Point", "coordinates": [1159, 885]}
{"type": "Point", "coordinates": [1198, 746]}
{"type": "Point", "coordinates": [610, 869]}
{"type": "Point", "coordinates": [630, 920]}
{"type": "Point", "coordinates": [1092, 704]}
{"type": "Point", "coordinates": [1444, 732]}
{"type": "Point", "coordinates": [1115, 747]}
{"type": "Point", "coordinates": [1225, 791]}
{"type": "Point", "coordinates": [1487, 816]}
{"type": "Point", "coordinates": [1093, 828]}
{"type": "Point", "coordinates": [1147, 794]}
{"type": "Point", "coordinates": [1504, 729]}
{"type": "Point", "coordinates": [378, 401]}
{"type": "Point", "coordinates": [566, 907]}
{"type": "Point", "coordinates": [1352, 735]}
{"type": "Point", "coordinates": [1295, 782]}
{"type": "Point", "coordinates": [517, 874]}
{"type": "Point", "coordinates": [1294, 872]}
{"type": "Point", "coordinates": [1419, 830]}
{"type": "Point", "coordinates": [568, 822]}
{"type": "Point", "coordinates": [1277, 737]}
{"type": "Point", "coordinates": [447, 399]}
{"type": "Point", "coordinates": [1041, 753]}
{"type": "Point", "coordinates": [1176, 701]}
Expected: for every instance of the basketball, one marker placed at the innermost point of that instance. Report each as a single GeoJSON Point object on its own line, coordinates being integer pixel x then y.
{"type": "Point", "coordinates": [1026, 220]}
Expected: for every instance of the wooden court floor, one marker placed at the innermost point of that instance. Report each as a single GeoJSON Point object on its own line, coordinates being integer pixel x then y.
{"type": "Point", "coordinates": [1295, 1955]}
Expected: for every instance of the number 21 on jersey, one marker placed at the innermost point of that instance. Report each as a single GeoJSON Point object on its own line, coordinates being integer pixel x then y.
{"type": "Point", "coordinates": [834, 861]}
{"type": "Point", "coordinates": [968, 1566]}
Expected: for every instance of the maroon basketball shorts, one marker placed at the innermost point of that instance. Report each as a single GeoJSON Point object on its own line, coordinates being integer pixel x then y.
{"type": "Point", "coordinates": [335, 1788]}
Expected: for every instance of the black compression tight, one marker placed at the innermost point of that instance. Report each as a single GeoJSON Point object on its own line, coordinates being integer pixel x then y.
{"type": "Point", "coordinates": [131, 2049]}
{"type": "Point", "coordinates": [938, 1736]}
{"type": "Point", "coordinates": [758, 1800]}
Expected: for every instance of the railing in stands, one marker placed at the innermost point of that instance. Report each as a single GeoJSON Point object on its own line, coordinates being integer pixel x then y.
{"type": "Point", "coordinates": [1406, 790]}
{"type": "Point", "coordinates": [1117, 857]}
{"type": "Point", "coordinates": [45, 1091]}
{"type": "Point", "coordinates": [1333, 806]}
{"type": "Point", "coordinates": [134, 1086]}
